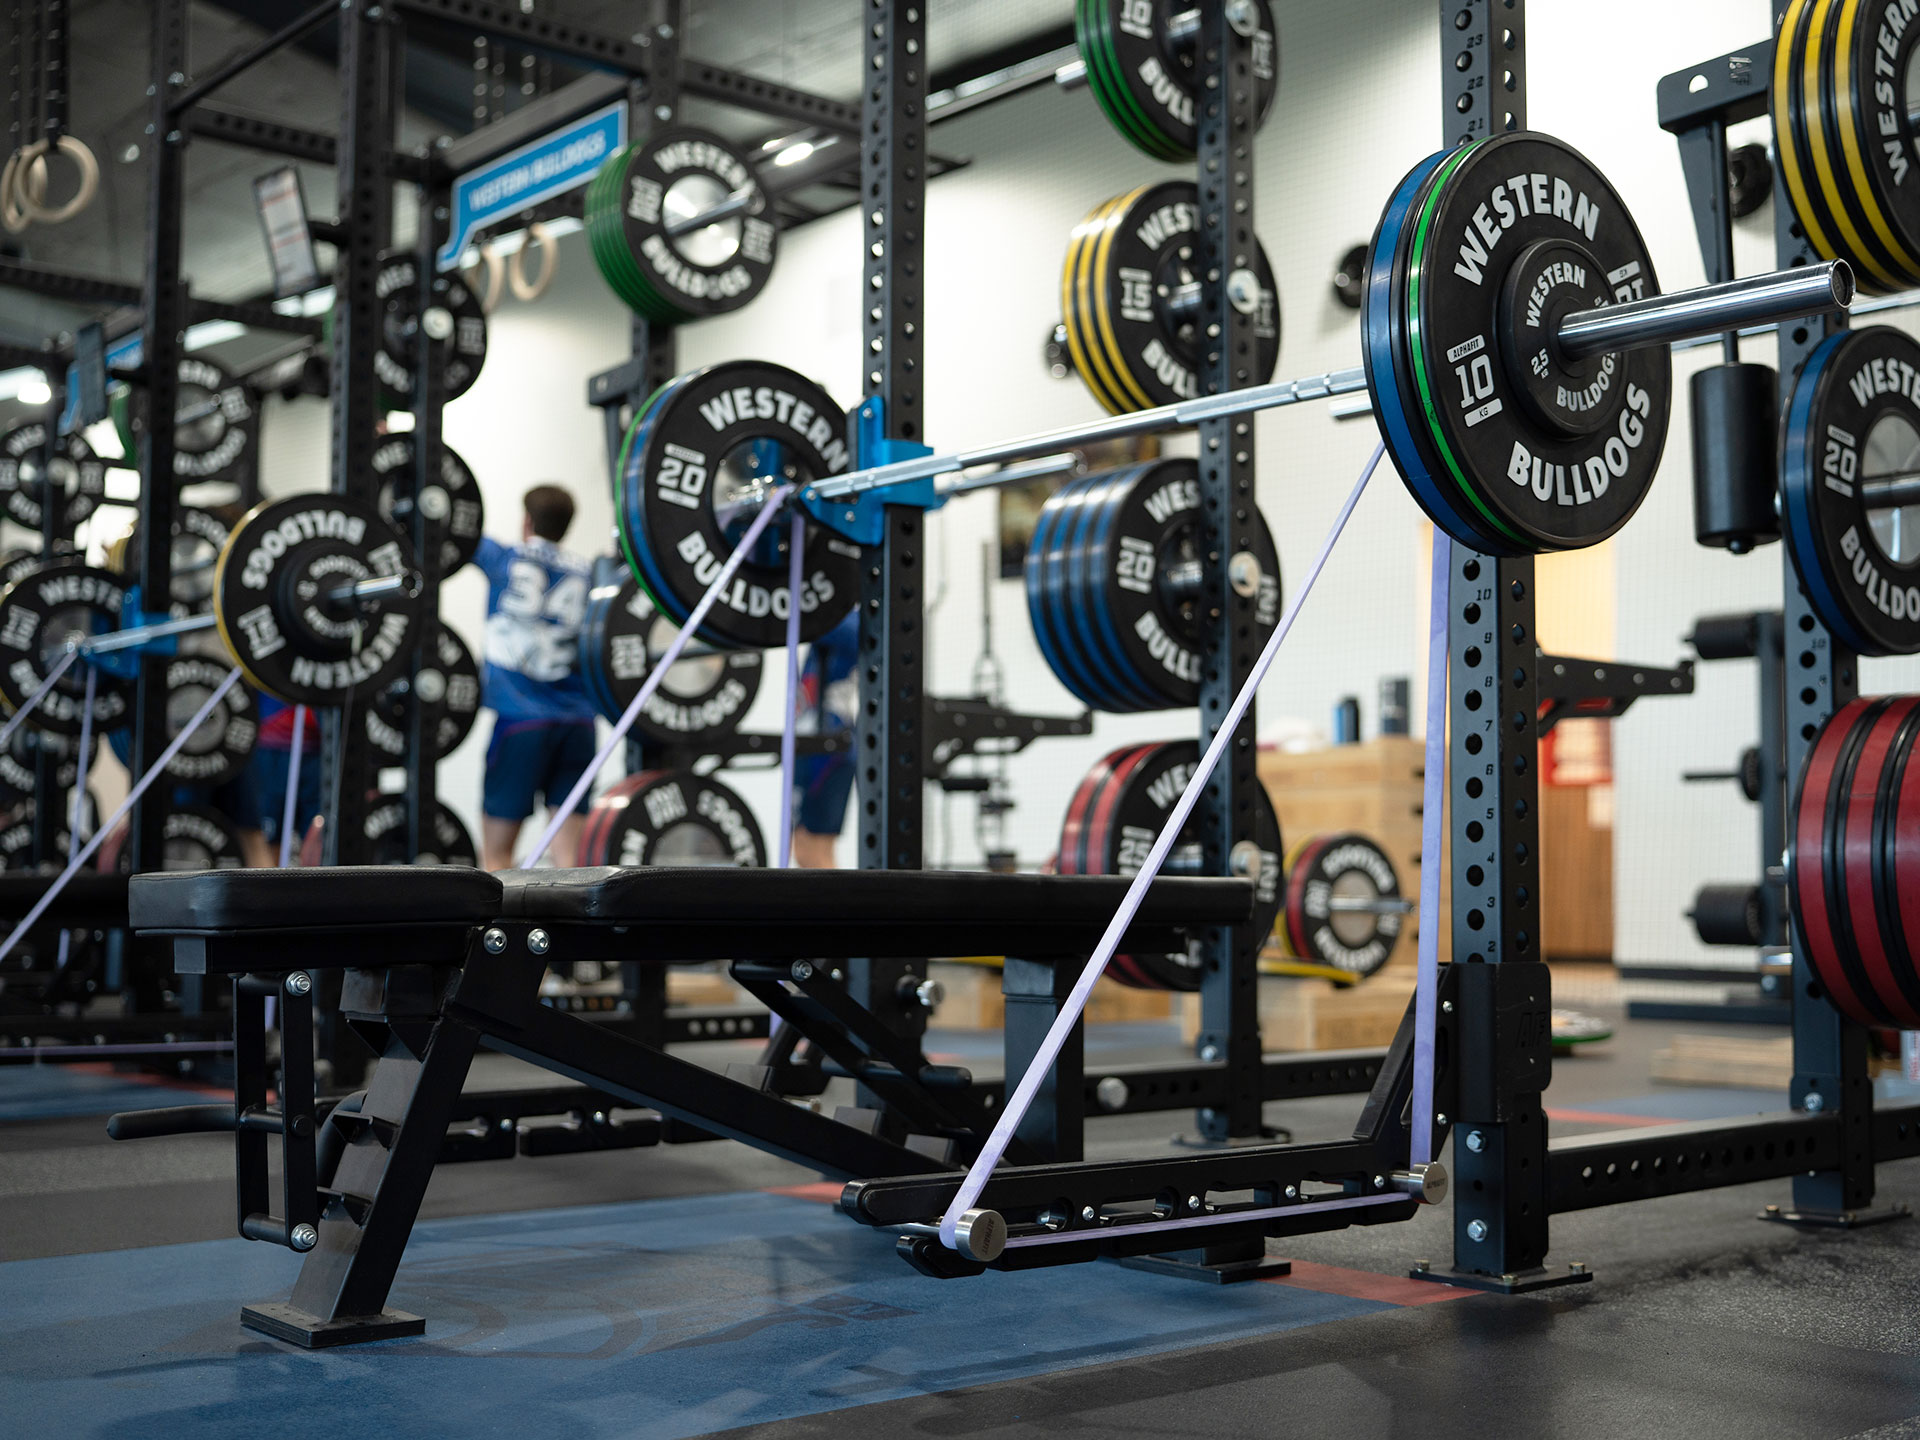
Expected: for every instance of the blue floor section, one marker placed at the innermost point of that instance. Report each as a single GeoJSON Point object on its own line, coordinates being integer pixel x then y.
{"type": "Point", "coordinates": [660, 1319]}
{"type": "Point", "coordinates": [48, 1092]}
{"type": "Point", "coordinates": [1692, 1103]}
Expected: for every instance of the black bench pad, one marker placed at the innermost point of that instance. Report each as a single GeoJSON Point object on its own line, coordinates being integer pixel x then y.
{"type": "Point", "coordinates": [343, 897]}
{"type": "Point", "coordinates": [722, 912]}
{"type": "Point", "coordinates": [90, 899]}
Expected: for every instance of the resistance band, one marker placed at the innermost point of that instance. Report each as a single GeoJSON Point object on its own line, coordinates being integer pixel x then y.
{"type": "Point", "coordinates": [639, 702]}
{"type": "Point", "coordinates": [174, 747]}
{"type": "Point", "coordinates": [76, 802]}
{"type": "Point", "coordinates": [291, 803]}
{"type": "Point", "coordinates": [1433, 800]}
{"type": "Point", "coordinates": [796, 537]}
{"type": "Point", "coordinates": [19, 716]}
{"type": "Point", "coordinates": [1041, 1066]}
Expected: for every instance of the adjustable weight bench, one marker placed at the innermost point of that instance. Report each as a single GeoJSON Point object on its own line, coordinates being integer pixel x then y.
{"type": "Point", "coordinates": [438, 961]}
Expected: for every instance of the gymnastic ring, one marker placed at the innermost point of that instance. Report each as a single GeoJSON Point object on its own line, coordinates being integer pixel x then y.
{"type": "Point", "coordinates": [14, 215]}
{"type": "Point", "coordinates": [77, 150]}
{"type": "Point", "coordinates": [496, 273]}
{"type": "Point", "coordinates": [549, 263]}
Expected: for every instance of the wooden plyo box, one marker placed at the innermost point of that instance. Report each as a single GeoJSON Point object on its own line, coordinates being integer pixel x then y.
{"type": "Point", "coordinates": [1304, 1014]}
{"type": "Point", "coordinates": [973, 1000]}
{"type": "Point", "coordinates": [1376, 788]}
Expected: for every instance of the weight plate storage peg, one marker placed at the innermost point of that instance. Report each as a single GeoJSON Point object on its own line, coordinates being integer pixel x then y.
{"type": "Point", "coordinates": [215, 422]}
{"type": "Point", "coordinates": [31, 470]}
{"type": "Point", "coordinates": [449, 692]}
{"type": "Point", "coordinates": [1552, 450]}
{"type": "Point", "coordinates": [643, 214]}
{"type": "Point", "coordinates": [282, 600]}
{"type": "Point", "coordinates": [1850, 487]}
{"type": "Point", "coordinates": [1135, 298]}
{"type": "Point", "coordinates": [1853, 862]}
{"type": "Point", "coordinates": [694, 467]}
{"type": "Point", "coordinates": [193, 837]}
{"type": "Point", "coordinates": [455, 513]}
{"type": "Point", "coordinates": [39, 615]}
{"type": "Point", "coordinates": [1142, 66]}
{"type": "Point", "coordinates": [1341, 905]}
{"type": "Point", "coordinates": [1113, 585]}
{"type": "Point", "coordinates": [454, 321]}
{"type": "Point", "coordinates": [700, 697]}
{"type": "Point", "coordinates": [1112, 822]}
{"type": "Point", "coordinates": [671, 817]}
{"type": "Point", "coordinates": [222, 744]}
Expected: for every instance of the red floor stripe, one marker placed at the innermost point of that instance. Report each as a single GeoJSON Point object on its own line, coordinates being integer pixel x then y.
{"type": "Point", "coordinates": [825, 1192]}
{"type": "Point", "coordinates": [1365, 1285]}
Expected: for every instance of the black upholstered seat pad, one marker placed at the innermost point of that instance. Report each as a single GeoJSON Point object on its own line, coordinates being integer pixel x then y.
{"type": "Point", "coordinates": [724, 895]}
{"type": "Point", "coordinates": [341, 897]}
{"type": "Point", "coordinates": [90, 898]}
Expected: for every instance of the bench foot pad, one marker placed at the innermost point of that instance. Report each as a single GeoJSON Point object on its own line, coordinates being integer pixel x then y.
{"type": "Point", "coordinates": [297, 1327]}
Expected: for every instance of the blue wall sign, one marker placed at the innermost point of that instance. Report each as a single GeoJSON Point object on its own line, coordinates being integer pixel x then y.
{"type": "Point", "coordinates": [564, 160]}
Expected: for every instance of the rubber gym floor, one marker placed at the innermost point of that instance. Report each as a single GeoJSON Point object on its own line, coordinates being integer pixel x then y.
{"type": "Point", "coordinates": [707, 1289]}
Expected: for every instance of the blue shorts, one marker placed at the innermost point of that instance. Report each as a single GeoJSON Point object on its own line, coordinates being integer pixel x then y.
{"type": "Point", "coordinates": [269, 771]}
{"type": "Point", "coordinates": [821, 786]}
{"type": "Point", "coordinates": [528, 758]}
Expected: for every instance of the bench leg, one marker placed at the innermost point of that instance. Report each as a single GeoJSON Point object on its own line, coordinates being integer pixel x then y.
{"type": "Point", "coordinates": [341, 1295]}
{"type": "Point", "coordinates": [1055, 1122]}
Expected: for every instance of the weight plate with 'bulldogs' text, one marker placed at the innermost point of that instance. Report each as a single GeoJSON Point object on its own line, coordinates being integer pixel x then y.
{"type": "Point", "coordinates": [193, 837]}
{"type": "Point", "coordinates": [691, 473]}
{"type": "Point", "coordinates": [1141, 63]}
{"type": "Point", "coordinates": [1513, 234]}
{"type": "Point", "coordinates": [32, 470]}
{"type": "Point", "coordinates": [222, 744]}
{"type": "Point", "coordinates": [283, 604]}
{"type": "Point", "coordinates": [700, 697]}
{"type": "Point", "coordinates": [642, 211]}
{"type": "Point", "coordinates": [671, 817]}
{"type": "Point", "coordinates": [1342, 905]}
{"type": "Point", "coordinates": [199, 536]}
{"type": "Point", "coordinates": [1129, 796]}
{"type": "Point", "coordinates": [40, 614]}
{"type": "Point", "coordinates": [456, 515]}
{"type": "Point", "coordinates": [215, 423]}
{"type": "Point", "coordinates": [453, 318]}
{"type": "Point", "coordinates": [1850, 487]}
{"type": "Point", "coordinates": [448, 690]}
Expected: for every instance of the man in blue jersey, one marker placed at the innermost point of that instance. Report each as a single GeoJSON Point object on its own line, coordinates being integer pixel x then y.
{"type": "Point", "coordinates": [543, 738]}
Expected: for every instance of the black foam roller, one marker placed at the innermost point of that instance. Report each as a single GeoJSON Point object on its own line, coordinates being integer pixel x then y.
{"type": "Point", "coordinates": [1727, 914]}
{"type": "Point", "coordinates": [1726, 637]}
{"type": "Point", "coordinates": [1735, 466]}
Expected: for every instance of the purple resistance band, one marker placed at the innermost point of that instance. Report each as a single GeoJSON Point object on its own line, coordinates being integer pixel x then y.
{"type": "Point", "coordinates": [1433, 802]}
{"type": "Point", "coordinates": [293, 787]}
{"type": "Point", "coordinates": [77, 801]}
{"type": "Point", "coordinates": [19, 716]}
{"type": "Point", "coordinates": [174, 747]}
{"type": "Point", "coordinates": [797, 538]}
{"type": "Point", "coordinates": [638, 703]}
{"type": "Point", "coordinates": [1015, 1109]}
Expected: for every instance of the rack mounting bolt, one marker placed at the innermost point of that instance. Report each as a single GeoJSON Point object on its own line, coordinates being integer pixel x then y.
{"type": "Point", "coordinates": [1089, 1214]}
{"type": "Point", "coordinates": [1446, 1006]}
{"type": "Point", "coordinates": [1476, 1142]}
{"type": "Point", "coordinates": [1439, 1118]}
{"type": "Point", "coordinates": [1293, 1192]}
{"type": "Point", "coordinates": [1193, 1202]}
{"type": "Point", "coordinates": [1476, 1229]}
{"type": "Point", "coordinates": [1210, 1053]}
{"type": "Point", "coordinates": [1379, 1182]}
{"type": "Point", "coordinates": [303, 1237]}
{"type": "Point", "coordinates": [538, 941]}
{"type": "Point", "coordinates": [299, 983]}
{"type": "Point", "coordinates": [495, 939]}
{"type": "Point", "coordinates": [1814, 1102]}
{"type": "Point", "coordinates": [802, 970]}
